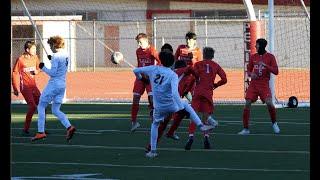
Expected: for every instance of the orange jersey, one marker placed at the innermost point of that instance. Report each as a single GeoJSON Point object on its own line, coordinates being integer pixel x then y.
{"type": "Point", "coordinates": [205, 73]}
{"type": "Point", "coordinates": [23, 72]}
{"type": "Point", "coordinates": [183, 53]}
{"type": "Point", "coordinates": [147, 57]}
{"type": "Point", "coordinates": [263, 72]}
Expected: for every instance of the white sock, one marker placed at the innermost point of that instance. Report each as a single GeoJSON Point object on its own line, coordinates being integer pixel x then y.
{"type": "Point", "coordinates": [41, 116]}
{"type": "Point", "coordinates": [154, 135]}
{"type": "Point", "coordinates": [193, 115]}
{"type": "Point", "coordinates": [60, 115]}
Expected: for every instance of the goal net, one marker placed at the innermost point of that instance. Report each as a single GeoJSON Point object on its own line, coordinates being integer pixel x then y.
{"type": "Point", "coordinates": [93, 30]}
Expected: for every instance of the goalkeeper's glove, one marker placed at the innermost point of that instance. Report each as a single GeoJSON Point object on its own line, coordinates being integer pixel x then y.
{"type": "Point", "coordinates": [49, 57]}
{"type": "Point", "coordinates": [145, 80]}
{"type": "Point", "coordinates": [41, 65]}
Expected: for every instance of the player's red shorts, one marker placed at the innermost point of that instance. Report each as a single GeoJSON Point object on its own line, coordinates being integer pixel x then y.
{"type": "Point", "coordinates": [258, 89]}
{"type": "Point", "coordinates": [202, 104]}
{"type": "Point", "coordinates": [139, 87]}
{"type": "Point", "coordinates": [186, 84]}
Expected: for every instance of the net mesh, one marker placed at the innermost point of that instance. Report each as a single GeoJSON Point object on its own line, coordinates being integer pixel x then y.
{"type": "Point", "coordinates": [93, 30]}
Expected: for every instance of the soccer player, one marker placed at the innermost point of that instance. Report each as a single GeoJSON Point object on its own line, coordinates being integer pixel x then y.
{"type": "Point", "coordinates": [190, 54]}
{"type": "Point", "coordinates": [55, 89]}
{"type": "Point", "coordinates": [205, 73]}
{"type": "Point", "coordinates": [261, 65]}
{"type": "Point", "coordinates": [23, 79]}
{"type": "Point", "coordinates": [146, 55]}
{"type": "Point", "coordinates": [166, 98]}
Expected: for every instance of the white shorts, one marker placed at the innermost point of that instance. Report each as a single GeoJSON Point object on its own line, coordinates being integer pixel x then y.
{"type": "Point", "coordinates": [160, 115]}
{"type": "Point", "coordinates": [54, 94]}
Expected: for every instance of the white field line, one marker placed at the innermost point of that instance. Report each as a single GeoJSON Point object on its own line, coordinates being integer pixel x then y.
{"type": "Point", "coordinates": [144, 130]}
{"type": "Point", "coordinates": [162, 167]}
{"type": "Point", "coordinates": [160, 149]}
{"type": "Point", "coordinates": [147, 119]}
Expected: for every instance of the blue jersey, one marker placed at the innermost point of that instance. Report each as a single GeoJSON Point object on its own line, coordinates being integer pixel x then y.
{"type": "Point", "coordinates": [59, 67]}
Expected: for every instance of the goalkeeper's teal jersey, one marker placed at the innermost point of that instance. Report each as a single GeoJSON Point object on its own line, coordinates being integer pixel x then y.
{"type": "Point", "coordinates": [164, 83]}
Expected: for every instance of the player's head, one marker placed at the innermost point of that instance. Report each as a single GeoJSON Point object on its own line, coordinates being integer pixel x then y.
{"type": "Point", "coordinates": [166, 58]}
{"type": "Point", "coordinates": [56, 42]}
{"type": "Point", "coordinates": [142, 40]}
{"type": "Point", "coordinates": [261, 45]}
{"type": "Point", "coordinates": [191, 39]}
{"type": "Point", "coordinates": [208, 53]}
{"type": "Point", "coordinates": [30, 47]}
{"type": "Point", "coordinates": [167, 47]}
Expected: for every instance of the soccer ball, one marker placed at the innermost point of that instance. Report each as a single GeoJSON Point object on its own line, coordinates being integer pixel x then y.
{"type": "Point", "coordinates": [116, 57]}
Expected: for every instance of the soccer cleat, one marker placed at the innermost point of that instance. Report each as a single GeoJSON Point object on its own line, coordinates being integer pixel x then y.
{"type": "Point", "coordinates": [244, 132]}
{"type": "Point", "coordinates": [206, 143]}
{"type": "Point", "coordinates": [25, 133]}
{"type": "Point", "coordinates": [276, 128]}
{"type": "Point", "coordinates": [174, 136]}
{"type": "Point", "coordinates": [70, 132]}
{"type": "Point", "coordinates": [212, 122]}
{"type": "Point", "coordinates": [151, 154]}
{"type": "Point", "coordinates": [134, 126]}
{"type": "Point", "coordinates": [189, 143]}
{"type": "Point", "coordinates": [205, 128]}
{"type": "Point", "coordinates": [39, 136]}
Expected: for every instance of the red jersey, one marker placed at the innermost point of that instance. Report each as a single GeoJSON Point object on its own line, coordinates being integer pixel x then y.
{"type": "Point", "coordinates": [263, 72]}
{"type": "Point", "coordinates": [147, 57]}
{"type": "Point", "coordinates": [205, 73]}
{"type": "Point", "coordinates": [23, 72]}
{"type": "Point", "coordinates": [183, 53]}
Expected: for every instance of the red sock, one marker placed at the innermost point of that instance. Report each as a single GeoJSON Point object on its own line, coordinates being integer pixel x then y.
{"type": "Point", "coordinates": [177, 118]}
{"type": "Point", "coordinates": [245, 117]}
{"type": "Point", "coordinates": [29, 115]}
{"type": "Point", "coordinates": [134, 112]}
{"type": "Point", "coordinates": [272, 112]}
{"type": "Point", "coordinates": [192, 127]}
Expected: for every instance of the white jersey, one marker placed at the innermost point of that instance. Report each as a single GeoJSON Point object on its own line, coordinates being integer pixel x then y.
{"type": "Point", "coordinates": [164, 84]}
{"type": "Point", "coordinates": [59, 67]}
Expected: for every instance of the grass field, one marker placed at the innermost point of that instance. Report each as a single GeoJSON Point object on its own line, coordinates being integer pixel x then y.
{"type": "Point", "coordinates": [104, 148]}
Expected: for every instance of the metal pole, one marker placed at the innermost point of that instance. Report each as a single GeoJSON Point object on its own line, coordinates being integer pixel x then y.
{"type": "Point", "coordinates": [206, 28]}
{"type": "Point", "coordinates": [271, 46]}
{"type": "Point", "coordinates": [154, 22]}
{"type": "Point", "coordinates": [94, 46]}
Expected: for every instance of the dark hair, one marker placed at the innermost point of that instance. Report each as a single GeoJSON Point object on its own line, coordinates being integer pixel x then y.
{"type": "Point", "coordinates": [208, 53]}
{"type": "Point", "coordinates": [141, 35]}
{"type": "Point", "coordinates": [166, 58]}
{"type": "Point", "coordinates": [191, 35]}
{"type": "Point", "coordinates": [262, 42]}
{"type": "Point", "coordinates": [29, 44]}
{"type": "Point", "coordinates": [167, 46]}
{"type": "Point", "coordinates": [180, 64]}
{"type": "Point", "coordinates": [56, 41]}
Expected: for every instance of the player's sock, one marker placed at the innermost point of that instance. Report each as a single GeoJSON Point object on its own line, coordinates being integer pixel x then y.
{"type": "Point", "coordinates": [192, 128]}
{"type": "Point", "coordinates": [177, 118]}
{"type": "Point", "coordinates": [154, 135]}
{"type": "Point", "coordinates": [31, 110]}
{"type": "Point", "coordinates": [41, 116]}
{"type": "Point", "coordinates": [245, 117]}
{"type": "Point", "coordinates": [60, 115]}
{"type": "Point", "coordinates": [272, 112]}
{"type": "Point", "coordinates": [134, 112]}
